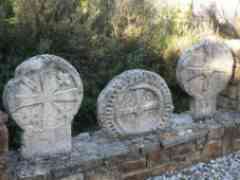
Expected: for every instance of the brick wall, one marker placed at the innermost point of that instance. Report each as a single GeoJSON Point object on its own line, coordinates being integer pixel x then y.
{"type": "Point", "coordinates": [99, 157]}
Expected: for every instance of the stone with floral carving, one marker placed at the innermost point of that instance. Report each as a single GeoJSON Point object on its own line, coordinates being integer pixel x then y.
{"type": "Point", "coordinates": [203, 72]}
{"type": "Point", "coordinates": [134, 102]}
{"type": "Point", "coordinates": [43, 98]}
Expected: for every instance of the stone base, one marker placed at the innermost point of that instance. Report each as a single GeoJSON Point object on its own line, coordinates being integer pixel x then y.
{"type": "Point", "coordinates": [47, 142]}
{"type": "Point", "coordinates": [98, 157]}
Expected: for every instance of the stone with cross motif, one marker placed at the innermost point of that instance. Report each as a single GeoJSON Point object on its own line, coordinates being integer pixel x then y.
{"type": "Point", "coordinates": [43, 98]}
{"type": "Point", "coordinates": [203, 71]}
{"type": "Point", "coordinates": [134, 102]}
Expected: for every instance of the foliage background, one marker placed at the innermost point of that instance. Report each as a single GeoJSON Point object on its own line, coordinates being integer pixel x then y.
{"type": "Point", "coordinates": [101, 38]}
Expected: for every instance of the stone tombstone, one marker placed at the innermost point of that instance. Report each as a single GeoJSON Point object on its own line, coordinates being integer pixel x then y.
{"type": "Point", "coordinates": [203, 71]}
{"type": "Point", "coordinates": [134, 102]}
{"type": "Point", "coordinates": [43, 98]}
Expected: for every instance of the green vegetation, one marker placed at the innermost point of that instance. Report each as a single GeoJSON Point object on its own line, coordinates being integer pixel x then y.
{"type": "Point", "coordinates": [99, 40]}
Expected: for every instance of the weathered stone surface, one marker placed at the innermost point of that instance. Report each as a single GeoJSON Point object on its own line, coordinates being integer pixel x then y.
{"type": "Point", "coordinates": [133, 165]}
{"type": "Point", "coordinates": [182, 134]}
{"type": "Point", "coordinates": [134, 102]}
{"type": "Point", "coordinates": [43, 98]}
{"type": "Point", "coordinates": [183, 119]}
{"type": "Point", "coordinates": [97, 176]}
{"type": "Point", "coordinates": [203, 72]}
{"type": "Point", "coordinates": [96, 156]}
{"type": "Point", "coordinates": [213, 149]}
{"type": "Point", "coordinates": [157, 155]}
{"type": "Point", "coordinates": [74, 177]}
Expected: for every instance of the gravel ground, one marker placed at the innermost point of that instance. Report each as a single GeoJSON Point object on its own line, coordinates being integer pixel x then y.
{"type": "Point", "coordinates": [225, 168]}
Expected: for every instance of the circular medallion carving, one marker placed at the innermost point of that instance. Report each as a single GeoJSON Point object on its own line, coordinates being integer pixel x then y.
{"type": "Point", "coordinates": [134, 102]}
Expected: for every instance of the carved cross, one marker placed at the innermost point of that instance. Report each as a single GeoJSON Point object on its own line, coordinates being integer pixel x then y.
{"type": "Point", "coordinates": [45, 92]}
{"type": "Point", "coordinates": [140, 107]}
{"type": "Point", "coordinates": [205, 73]}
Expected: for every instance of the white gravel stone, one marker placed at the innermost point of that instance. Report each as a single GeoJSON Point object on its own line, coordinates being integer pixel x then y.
{"type": "Point", "coordinates": [224, 168]}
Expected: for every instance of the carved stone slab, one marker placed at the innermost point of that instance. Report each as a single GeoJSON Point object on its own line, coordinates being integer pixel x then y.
{"type": "Point", "coordinates": [43, 98]}
{"type": "Point", "coordinates": [136, 101]}
{"type": "Point", "coordinates": [203, 72]}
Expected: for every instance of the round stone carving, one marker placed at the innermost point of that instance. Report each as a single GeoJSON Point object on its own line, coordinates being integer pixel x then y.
{"type": "Point", "coordinates": [134, 102]}
{"type": "Point", "coordinates": [43, 98]}
{"type": "Point", "coordinates": [203, 72]}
